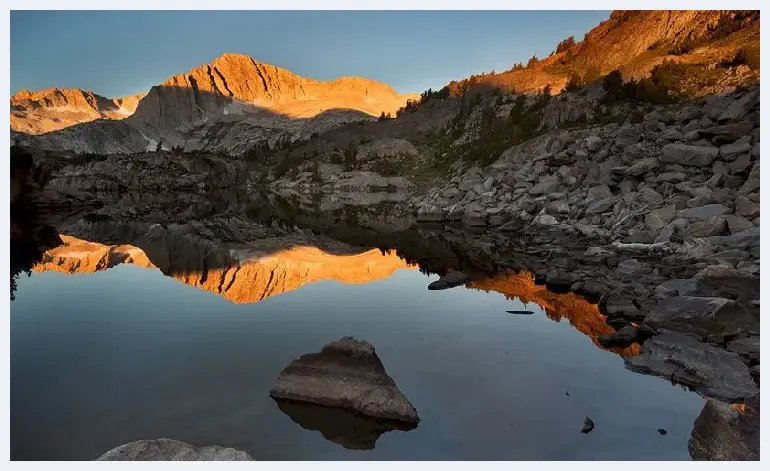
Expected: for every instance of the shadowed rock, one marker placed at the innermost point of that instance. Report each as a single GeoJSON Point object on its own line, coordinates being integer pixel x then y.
{"type": "Point", "coordinates": [702, 316]}
{"type": "Point", "coordinates": [622, 338]}
{"type": "Point", "coordinates": [348, 429]}
{"type": "Point", "coordinates": [726, 432]}
{"type": "Point", "coordinates": [712, 371]}
{"type": "Point", "coordinates": [347, 374]}
{"type": "Point", "coordinates": [165, 449]}
{"type": "Point", "coordinates": [450, 280]}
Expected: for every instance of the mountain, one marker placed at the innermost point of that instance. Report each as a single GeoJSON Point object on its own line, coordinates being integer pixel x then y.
{"type": "Point", "coordinates": [634, 42]}
{"type": "Point", "coordinates": [232, 103]}
{"type": "Point", "coordinates": [57, 108]}
{"type": "Point", "coordinates": [236, 105]}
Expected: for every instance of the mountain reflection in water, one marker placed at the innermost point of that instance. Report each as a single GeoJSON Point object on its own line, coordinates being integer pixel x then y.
{"type": "Point", "coordinates": [130, 349]}
{"type": "Point", "coordinates": [289, 269]}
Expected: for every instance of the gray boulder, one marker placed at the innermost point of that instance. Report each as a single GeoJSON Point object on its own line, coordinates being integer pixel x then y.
{"type": "Point", "coordinates": [710, 370]}
{"type": "Point", "coordinates": [726, 133]}
{"type": "Point", "coordinates": [627, 135]}
{"type": "Point", "coordinates": [741, 107]}
{"type": "Point", "coordinates": [615, 305]}
{"type": "Point", "coordinates": [713, 226]}
{"type": "Point", "coordinates": [729, 152]}
{"type": "Point", "coordinates": [700, 316]}
{"type": "Point", "coordinates": [601, 206]}
{"type": "Point", "coordinates": [598, 193]}
{"type": "Point", "coordinates": [622, 338]}
{"type": "Point", "coordinates": [657, 219]}
{"type": "Point", "coordinates": [737, 223]}
{"type": "Point", "coordinates": [347, 374]}
{"type": "Point", "coordinates": [747, 347]}
{"type": "Point", "coordinates": [684, 154]}
{"type": "Point", "coordinates": [704, 212]}
{"type": "Point", "coordinates": [673, 177]}
{"type": "Point", "coordinates": [165, 449]}
{"type": "Point", "coordinates": [641, 167]}
{"type": "Point", "coordinates": [746, 208]}
{"type": "Point", "coordinates": [722, 432]}
{"type": "Point", "coordinates": [547, 184]}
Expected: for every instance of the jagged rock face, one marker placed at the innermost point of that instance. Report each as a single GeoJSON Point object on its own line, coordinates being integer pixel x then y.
{"type": "Point", "coordinates": [634, 42]}
{"type": "Point", "coordinates": [165, 449]}
{"type": "Point", "coordinates": [54, 109]}
{"type": "Point", "coordinates": [231, 104]}
{"type": "Point", "coordinates": [628, 34]}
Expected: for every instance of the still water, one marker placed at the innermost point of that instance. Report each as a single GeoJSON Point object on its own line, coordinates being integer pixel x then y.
{"type": "Point", "coordinates": [104, 358]}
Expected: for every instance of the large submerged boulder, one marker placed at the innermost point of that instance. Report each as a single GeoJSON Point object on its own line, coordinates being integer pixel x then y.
{"type": "Point", "coordinates": [165, 449]}
{"type": "Point", "coordinates": [346, 374]}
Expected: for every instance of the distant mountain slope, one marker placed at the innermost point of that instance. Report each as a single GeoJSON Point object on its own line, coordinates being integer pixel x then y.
{"type": "Point", "coordinates": [192, 109]}
{"type": "Point", "coordinates": [235, 104]}
{"type": "Point", "coordinates": [56, 108]}
{"type": "Point", "coordinates": [634, 42]}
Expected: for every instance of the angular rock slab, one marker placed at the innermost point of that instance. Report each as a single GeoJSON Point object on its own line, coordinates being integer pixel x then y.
{"type": "Point", "coordinates": [726, 433]}
{"type": "Point", "coordinates": [712, 371]}
{"type": "Point", "coordinates": [348, 429]}
{"type": "Point", "coordinates": [347, 374]}
{"type": "Point", "coordinates": [165, 449]}
{"type": "Point", "coordinates": [701, 316]}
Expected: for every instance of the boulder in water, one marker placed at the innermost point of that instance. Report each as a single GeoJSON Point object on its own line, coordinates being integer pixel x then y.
{"type": "Point", "coordinates": [347, 374]}
{"type": "Point", "coordinates": [165, 449]}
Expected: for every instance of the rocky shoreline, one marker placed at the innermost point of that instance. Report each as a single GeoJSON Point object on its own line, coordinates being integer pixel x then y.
{"type": "Point", "coordinates": [668, 210]}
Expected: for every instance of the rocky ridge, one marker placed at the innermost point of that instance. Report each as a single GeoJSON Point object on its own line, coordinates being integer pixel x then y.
{"type": "Point", "coordinates": [232, 104]}
{"type": "Point", "coordinates": [636, 41]}
{"type": "Point", "coordinates": [56, 108]}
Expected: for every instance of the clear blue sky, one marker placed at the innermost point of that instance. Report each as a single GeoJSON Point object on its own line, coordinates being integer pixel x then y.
{"type": "Point", "coordinates": [117, 53]}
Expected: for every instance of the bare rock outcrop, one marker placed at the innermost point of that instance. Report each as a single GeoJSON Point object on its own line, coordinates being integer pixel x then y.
{"type": "Point", "coordinates": [346, 374]}
{"type": "Point", "coordinates": [57, 108]}
{"type": "Point", "coordinates": [231, 104]}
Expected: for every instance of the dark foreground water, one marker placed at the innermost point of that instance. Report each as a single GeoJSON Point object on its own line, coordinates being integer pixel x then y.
{"type": "Point", "coordinates": [101, 359]}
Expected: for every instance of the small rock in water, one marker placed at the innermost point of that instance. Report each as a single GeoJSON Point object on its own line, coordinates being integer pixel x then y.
{"type": "Point", "coordinates": [588, 425]}
{"type": "Point", "coordinates": [523, 313]}
{"type": "Point", "coordinates": [662, 431]}
{"type": "Point", "coordinates": [567, 393]}
{"type": "Point", "coordinates": [450, 280]}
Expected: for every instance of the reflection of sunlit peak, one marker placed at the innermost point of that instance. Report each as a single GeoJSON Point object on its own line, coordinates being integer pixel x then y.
{"type": "Point", "coordinates": [581, 314]}
{"type": "Point", "coordinates": [257, 276]}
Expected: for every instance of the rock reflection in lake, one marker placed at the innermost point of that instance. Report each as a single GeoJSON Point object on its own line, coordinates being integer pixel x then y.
{"type": "Point", "coordinates": [582, 315]}
{"type": "Point", "coordinates": [348, 429]}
